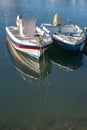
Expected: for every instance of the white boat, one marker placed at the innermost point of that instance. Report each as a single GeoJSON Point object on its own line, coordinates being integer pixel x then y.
{"type": "Point", "coordinates": [67, 36]}
{"type": "Point", "coordinates": [30, 68]}
{"type": "Point", "coordinates": [27, 37]}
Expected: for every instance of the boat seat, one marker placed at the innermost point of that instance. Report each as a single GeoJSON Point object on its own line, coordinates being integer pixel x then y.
{"type": "Point", "coordinates": [51, 29]}
{"type": "Point", "coordinates": [27, 27]}
{"type": "Point", "coordinates": [67, 28]}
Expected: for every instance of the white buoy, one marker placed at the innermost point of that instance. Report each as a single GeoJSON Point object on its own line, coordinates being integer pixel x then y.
{"type": "Point", "coordinates": [85, 29]}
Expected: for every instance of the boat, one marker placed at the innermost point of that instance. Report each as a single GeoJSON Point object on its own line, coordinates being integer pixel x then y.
{"type": "Point", "coordinates": [67, 36]}
{"type": "Point", "coordinates": [27, 37]}
{"type": "Point", "coordinates": [28, 67]}
{"type": "Point", "coordinates": [66, 60]}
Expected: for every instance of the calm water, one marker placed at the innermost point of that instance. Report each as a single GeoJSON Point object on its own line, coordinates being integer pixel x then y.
{"type": "Point", "coordinates": [50, 94]}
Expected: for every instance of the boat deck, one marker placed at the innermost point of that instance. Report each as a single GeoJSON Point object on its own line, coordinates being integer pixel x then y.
{"type": "Point", "coordinates": [16, 33]}
{"type": "Point", "coordinates": [64, 29]}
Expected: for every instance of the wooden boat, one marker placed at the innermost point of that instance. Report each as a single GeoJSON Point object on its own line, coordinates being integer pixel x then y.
{"type": "Point", "coordinates": [67, 36]}
{"type": "Point", "coordinates": [27, 37]}
{"type": "Point", "coordinates": [29, 67]}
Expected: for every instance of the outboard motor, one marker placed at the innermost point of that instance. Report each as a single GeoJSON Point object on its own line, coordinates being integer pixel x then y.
{"type": "Point", "coordinates": [57, 20]}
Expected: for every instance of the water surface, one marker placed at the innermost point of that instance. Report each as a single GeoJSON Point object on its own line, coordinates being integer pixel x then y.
{"type": "Point", "coordinates": [54, 96]}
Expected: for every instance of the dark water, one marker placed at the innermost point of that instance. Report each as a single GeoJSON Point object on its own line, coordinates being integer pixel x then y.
{"type": "Point", "coordinates": [50, 94]}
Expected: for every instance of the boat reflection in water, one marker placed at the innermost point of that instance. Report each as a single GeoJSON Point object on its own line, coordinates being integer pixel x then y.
{"type": "Point", "coordinates": [30, 67]}
{"type": "Point", "coordinates": [67, 60]}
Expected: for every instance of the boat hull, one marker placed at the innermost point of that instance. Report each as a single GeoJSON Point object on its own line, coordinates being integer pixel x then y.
{"type": "Point", "coordinates": [33, 50]}
{"type": "Point", "coordinates": [68, 37]}
{"type": "Point", "coordinates": [69, 47]}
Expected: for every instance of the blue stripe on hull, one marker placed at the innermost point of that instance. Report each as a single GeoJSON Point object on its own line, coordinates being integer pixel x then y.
{"type": "Point", "coordinates": [66, 46]}
{"type": "Point", "coordinates": [25, 46]}
{"type": "Point", "coordinates": [29, 54]}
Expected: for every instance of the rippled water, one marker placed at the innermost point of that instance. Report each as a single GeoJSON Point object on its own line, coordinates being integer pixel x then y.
{"type": "Point", "coordinates": [50, 94]}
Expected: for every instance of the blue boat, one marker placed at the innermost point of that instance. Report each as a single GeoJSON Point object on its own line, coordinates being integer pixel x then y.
{"type": "Point", "coordinates": [67, 36]}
